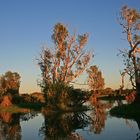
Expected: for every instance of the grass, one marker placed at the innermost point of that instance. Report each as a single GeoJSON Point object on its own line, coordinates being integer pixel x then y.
{"type": "Point", "coordinates": [126, 111]}
{"type": "Point", "coordinates": [13, 109]}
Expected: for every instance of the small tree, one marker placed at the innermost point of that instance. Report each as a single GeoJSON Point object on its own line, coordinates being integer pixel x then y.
{"type": "Point", "coordinates": [95, 79]}
{"type": "Point", "coordinates": [130, 21]}
{"type": "Point", "coordinates": [10, 82]}
{"type": "Point", "coordinates": [9, 85]}
{"type": "Point", "coordinates": [62, 64]}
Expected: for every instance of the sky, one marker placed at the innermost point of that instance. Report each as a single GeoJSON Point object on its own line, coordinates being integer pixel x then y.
{"type": "Point", "coordinates": [26, 26]}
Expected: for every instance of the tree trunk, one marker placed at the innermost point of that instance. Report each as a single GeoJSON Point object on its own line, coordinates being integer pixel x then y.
{"type": "Point", "coordinates": [137, 99]}
{"type": "Point", "coordinates": [137, 80]}
{"type": "Point", "coordinates": [138, 88]}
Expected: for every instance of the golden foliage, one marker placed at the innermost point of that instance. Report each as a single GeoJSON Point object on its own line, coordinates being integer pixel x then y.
{"type": "Point", "coordinates": [68, 60]}
{"type": "Point", "coordinates": [95, 79]}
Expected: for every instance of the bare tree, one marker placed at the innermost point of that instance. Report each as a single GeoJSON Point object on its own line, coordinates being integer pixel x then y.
{"type": "Point", "coordinates": [130, 21]}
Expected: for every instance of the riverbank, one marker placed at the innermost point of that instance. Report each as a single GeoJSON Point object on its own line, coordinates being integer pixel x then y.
{"type": "Point", "coordinates": [126, 111]}
{"type": "Point", "coordinates": [14, 109]}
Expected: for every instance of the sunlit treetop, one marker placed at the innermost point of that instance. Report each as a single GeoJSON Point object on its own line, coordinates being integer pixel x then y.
{"type": "Point", "coordinates": [69, 57]}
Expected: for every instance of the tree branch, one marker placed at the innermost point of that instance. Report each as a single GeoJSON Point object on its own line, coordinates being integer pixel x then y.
{"type": "Point", "coordinates": [132, 50]}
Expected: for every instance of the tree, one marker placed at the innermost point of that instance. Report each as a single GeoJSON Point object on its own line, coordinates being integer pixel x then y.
{"type": "Point", "coordinates": [10, 82]}
{"type": "Point", "coordinates": [130, 21]}
{"type": "Point", "coordinates": [129, 67]}
{"type": "Point", "coordinates": [95, 79]}
{"type": "Point", "coordinates": [64, 63]}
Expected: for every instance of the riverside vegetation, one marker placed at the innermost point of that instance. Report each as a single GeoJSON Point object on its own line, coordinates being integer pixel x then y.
{"type": "Point", "coordinates": [61, 66]}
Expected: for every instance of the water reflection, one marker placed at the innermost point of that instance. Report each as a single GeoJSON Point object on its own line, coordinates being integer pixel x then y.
{"type": "Point", "coordinates": [98, 115]}
{"type": "Point", "coordinates": [10, 128]}
{"type": "Point", "coordinates": [28, 116]}
{"type": "Point", "coordinates": [69, 126]}
{"type": "Point", "coordinates": [63, 126]}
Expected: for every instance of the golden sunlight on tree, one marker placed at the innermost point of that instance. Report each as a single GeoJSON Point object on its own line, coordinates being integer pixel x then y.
{"type": "Point", "coordinates": [62, 64]}
{"type": "Point", "coordinates": [130, 21]}
{"type": "Point", "coordinates": [67, 59]}
{"type": "Point", "coordinates": [10, 82]}
{"type": "Point", "coordinates": [95, 79]}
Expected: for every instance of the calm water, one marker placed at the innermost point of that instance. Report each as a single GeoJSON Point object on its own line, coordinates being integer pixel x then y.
{"type": "Point", "coordinates": [96, 124]}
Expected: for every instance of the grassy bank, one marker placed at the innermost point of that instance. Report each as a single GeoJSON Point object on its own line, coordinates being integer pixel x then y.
{"type": "Point", "coordinates": [126, 111]}
{"type": "Point", "coordinates": [14, 109]}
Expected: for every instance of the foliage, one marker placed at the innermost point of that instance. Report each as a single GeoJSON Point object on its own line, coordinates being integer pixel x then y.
{"type": "Point", "coordinates": [62, 64]}
{"type": "Point", "coordinates": [130, 21]}
{"type": "Point", "coordinates": [78, 97]}
{"type": "Point", "coordinates": [68, 59]}
{"type": "Point", "coordinates": [34, 101]}
{"type": "Point", "coordinates": [95, 79]}
{"type": "Point", "coordinates": [129, 66]}
{"type": "Point", "coordinates": [10, 82]}
{"type": "Point", "coordinates": [37, 97]}
{"type": "Point", "coordinates": [65, 97]}
{"type": "Point", "coordinates": [57, 95]}
{"type": "Point", "coordinates": [32, 106]}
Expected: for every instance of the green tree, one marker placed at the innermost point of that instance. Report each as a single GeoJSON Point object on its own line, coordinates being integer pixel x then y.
{"type": "Point", "coordinates": [63, 63]}
{"type": "Point", "coordinates": [95, 79]}
{"type": "Point", "coordinates": [130, 21]}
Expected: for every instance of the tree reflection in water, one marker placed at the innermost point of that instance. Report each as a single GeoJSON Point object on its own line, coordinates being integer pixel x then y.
{"type": "Point", "coordinates": [28, 116]}
{"type": "Point", "coordinates": [10, 128]}
{"type": "Point", "coordinates": [98, 115]}
{"type": "Point", "coordinates": [63, 126]}
{"type": "Point", "coordinates": [60, 126]}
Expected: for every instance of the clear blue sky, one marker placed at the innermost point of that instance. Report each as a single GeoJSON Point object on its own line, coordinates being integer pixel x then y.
{"type": "Point", "coordinates": [26, 25]}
